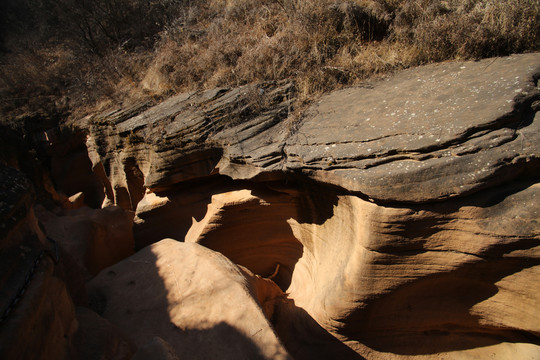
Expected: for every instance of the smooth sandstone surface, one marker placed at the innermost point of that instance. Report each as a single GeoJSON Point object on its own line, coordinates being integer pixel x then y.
{"type": "Point", "coordinates": [195, 299]}
{"type": "Point", "coordinates": [395, 220]}
{"type": "Point", "coordinates": [400, 218]}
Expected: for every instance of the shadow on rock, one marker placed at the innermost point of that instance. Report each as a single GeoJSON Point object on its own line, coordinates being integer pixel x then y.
{"type": "Point", "coordinates": [304, 338]}
{"type": "Point", "coordinates": [434, 314]}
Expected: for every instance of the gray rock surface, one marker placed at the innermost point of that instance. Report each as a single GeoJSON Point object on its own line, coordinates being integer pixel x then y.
{"type": "Point", "coordinates": [424, 134]}
{"type": "Point", "coordinates": [427, 133]}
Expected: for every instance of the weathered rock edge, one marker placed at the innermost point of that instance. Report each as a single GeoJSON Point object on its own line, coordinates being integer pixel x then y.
{"type": "Point", "coordinates": [422, 135]}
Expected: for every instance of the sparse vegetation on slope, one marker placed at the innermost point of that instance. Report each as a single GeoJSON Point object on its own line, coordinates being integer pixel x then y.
{"type": "Point", "coordinates": [76, 56]}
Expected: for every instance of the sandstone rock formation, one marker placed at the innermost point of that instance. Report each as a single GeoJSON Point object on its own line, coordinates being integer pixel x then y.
{"type": "Point", "coordinates": [452, 128]}
{"type": "Point", "coordinates": [396, 220]}
{"type": "Point", "coordinates": [193, 298]}
{"type": "Point", "coordinates": [95, 238]}
{"type": "Point", "coordinates": [37, 316]}
{"type": "Point", "coordinates": [400, 216]}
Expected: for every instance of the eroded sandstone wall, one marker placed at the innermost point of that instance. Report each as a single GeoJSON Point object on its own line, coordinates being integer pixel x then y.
{"type": "Point", "coordinates": [392, 221]}
{"type": "Point", "coordinates": [400, 217]}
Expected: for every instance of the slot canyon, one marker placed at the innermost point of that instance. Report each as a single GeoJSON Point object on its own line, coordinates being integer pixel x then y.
{"type": "Point", "coordinates": [396, 220]}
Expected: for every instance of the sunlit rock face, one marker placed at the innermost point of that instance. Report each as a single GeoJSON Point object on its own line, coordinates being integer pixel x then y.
{"type": "Point", "coordinates": [396, 220]}
{"type": "Point", "coordinates": [424, 279]}
{"type": "Point", "coordinates": [399, 219]}
{"type": "Point", "coordinates": [195, 299]}
{"type": "Point", "coordinates": [252, 231]}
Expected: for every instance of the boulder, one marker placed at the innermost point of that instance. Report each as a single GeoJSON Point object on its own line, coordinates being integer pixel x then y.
{"type": "Point", "coordinates": [424, 134]}
{"type": "Point", "coordinates": [94, 238]}
{"type": "Point", "coordinates": [427, 133]}
{"type": "Point", "coordinates": [193, 298]}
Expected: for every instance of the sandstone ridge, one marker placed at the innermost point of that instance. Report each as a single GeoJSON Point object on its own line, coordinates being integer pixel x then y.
{"type": "Point", "coordinates": [424, 134]}
{"type": "Point", "coordinates": [397, 220]}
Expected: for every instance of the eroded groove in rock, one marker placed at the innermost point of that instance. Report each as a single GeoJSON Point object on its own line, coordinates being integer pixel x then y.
{"type": "Point", "coordinates": [393, 222]}
{"type": "Point", "coordinates": [250, 228]}
{"type": "Point", "coordinates": [396, 278]}
{"type": "Point", "coordinates": [170, 213]}
{"type": "Point", "coordinates": [135, 182]}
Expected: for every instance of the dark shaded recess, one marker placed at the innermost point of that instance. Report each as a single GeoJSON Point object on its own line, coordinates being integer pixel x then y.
{"type": "Point", "coordinates": [71, 168]}
{"type": "Point", "coordinates": [232, 342]}
{"type": "Point", "coordinates": [488, 199]}
{"type": "Point", "coordinates": [16, 197]}
{"type": "Point", "coordinates": [96, 338]}
{"type": "Point", "coordinates": [311, 202]}
{"type": "Point", "coordinates": [187, 200]}
{"type": "Point", "coordinates": [43, 150]}
{"type": "Point", "coordinates": [15, 266]}
{"type": "Point", "coordinates": [73, 276]}
{"type": "Point", "coordinates": [359, 21]}
{"type": "Point", "coordinates": [304, 338]}
{"type": "Point", "coordinates": [316, 200]}
{"type": "Point", "coordinates": [135, 181]}
{"type": "Point", "coordinates": [258, 236]}
{"type": "Point", "coordinates": [17, 152]}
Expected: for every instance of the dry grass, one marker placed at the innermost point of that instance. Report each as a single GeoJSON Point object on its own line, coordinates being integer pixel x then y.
{"type": "Point", "coordinates": [319, 44]}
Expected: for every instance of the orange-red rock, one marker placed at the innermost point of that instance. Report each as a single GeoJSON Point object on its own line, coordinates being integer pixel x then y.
{"type": "Point", "coordinates": [95, 238]}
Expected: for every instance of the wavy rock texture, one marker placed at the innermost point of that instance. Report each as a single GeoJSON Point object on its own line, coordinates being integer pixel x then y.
{"type": "Point", "coordinates": [399, 219]}
{"type": "Point", "coordinates": [425, 134]}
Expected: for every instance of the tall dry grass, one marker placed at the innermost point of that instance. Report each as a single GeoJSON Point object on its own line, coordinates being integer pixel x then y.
{"type": "Point", "coordinates": [320, 45]}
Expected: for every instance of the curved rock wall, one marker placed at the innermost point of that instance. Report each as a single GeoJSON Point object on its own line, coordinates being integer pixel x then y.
{"type": "Point", "coordinates": [384, 275]}
{"type": "Point", "coordinates": [402, 217]}
{"type": "Point", "coordinates": [396, 220]}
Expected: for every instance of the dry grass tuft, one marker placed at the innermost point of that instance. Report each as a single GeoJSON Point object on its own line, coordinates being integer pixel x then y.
{"type": "Point", "coordinates": [319, 44]}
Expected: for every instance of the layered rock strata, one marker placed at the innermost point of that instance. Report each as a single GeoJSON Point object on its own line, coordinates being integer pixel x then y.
{"type": "Point", "coordinates": [425, 134]}
{"type": "Point", "coordinates": [396, 220]}
{"type": "Point", "coordinates": [401, 216]}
